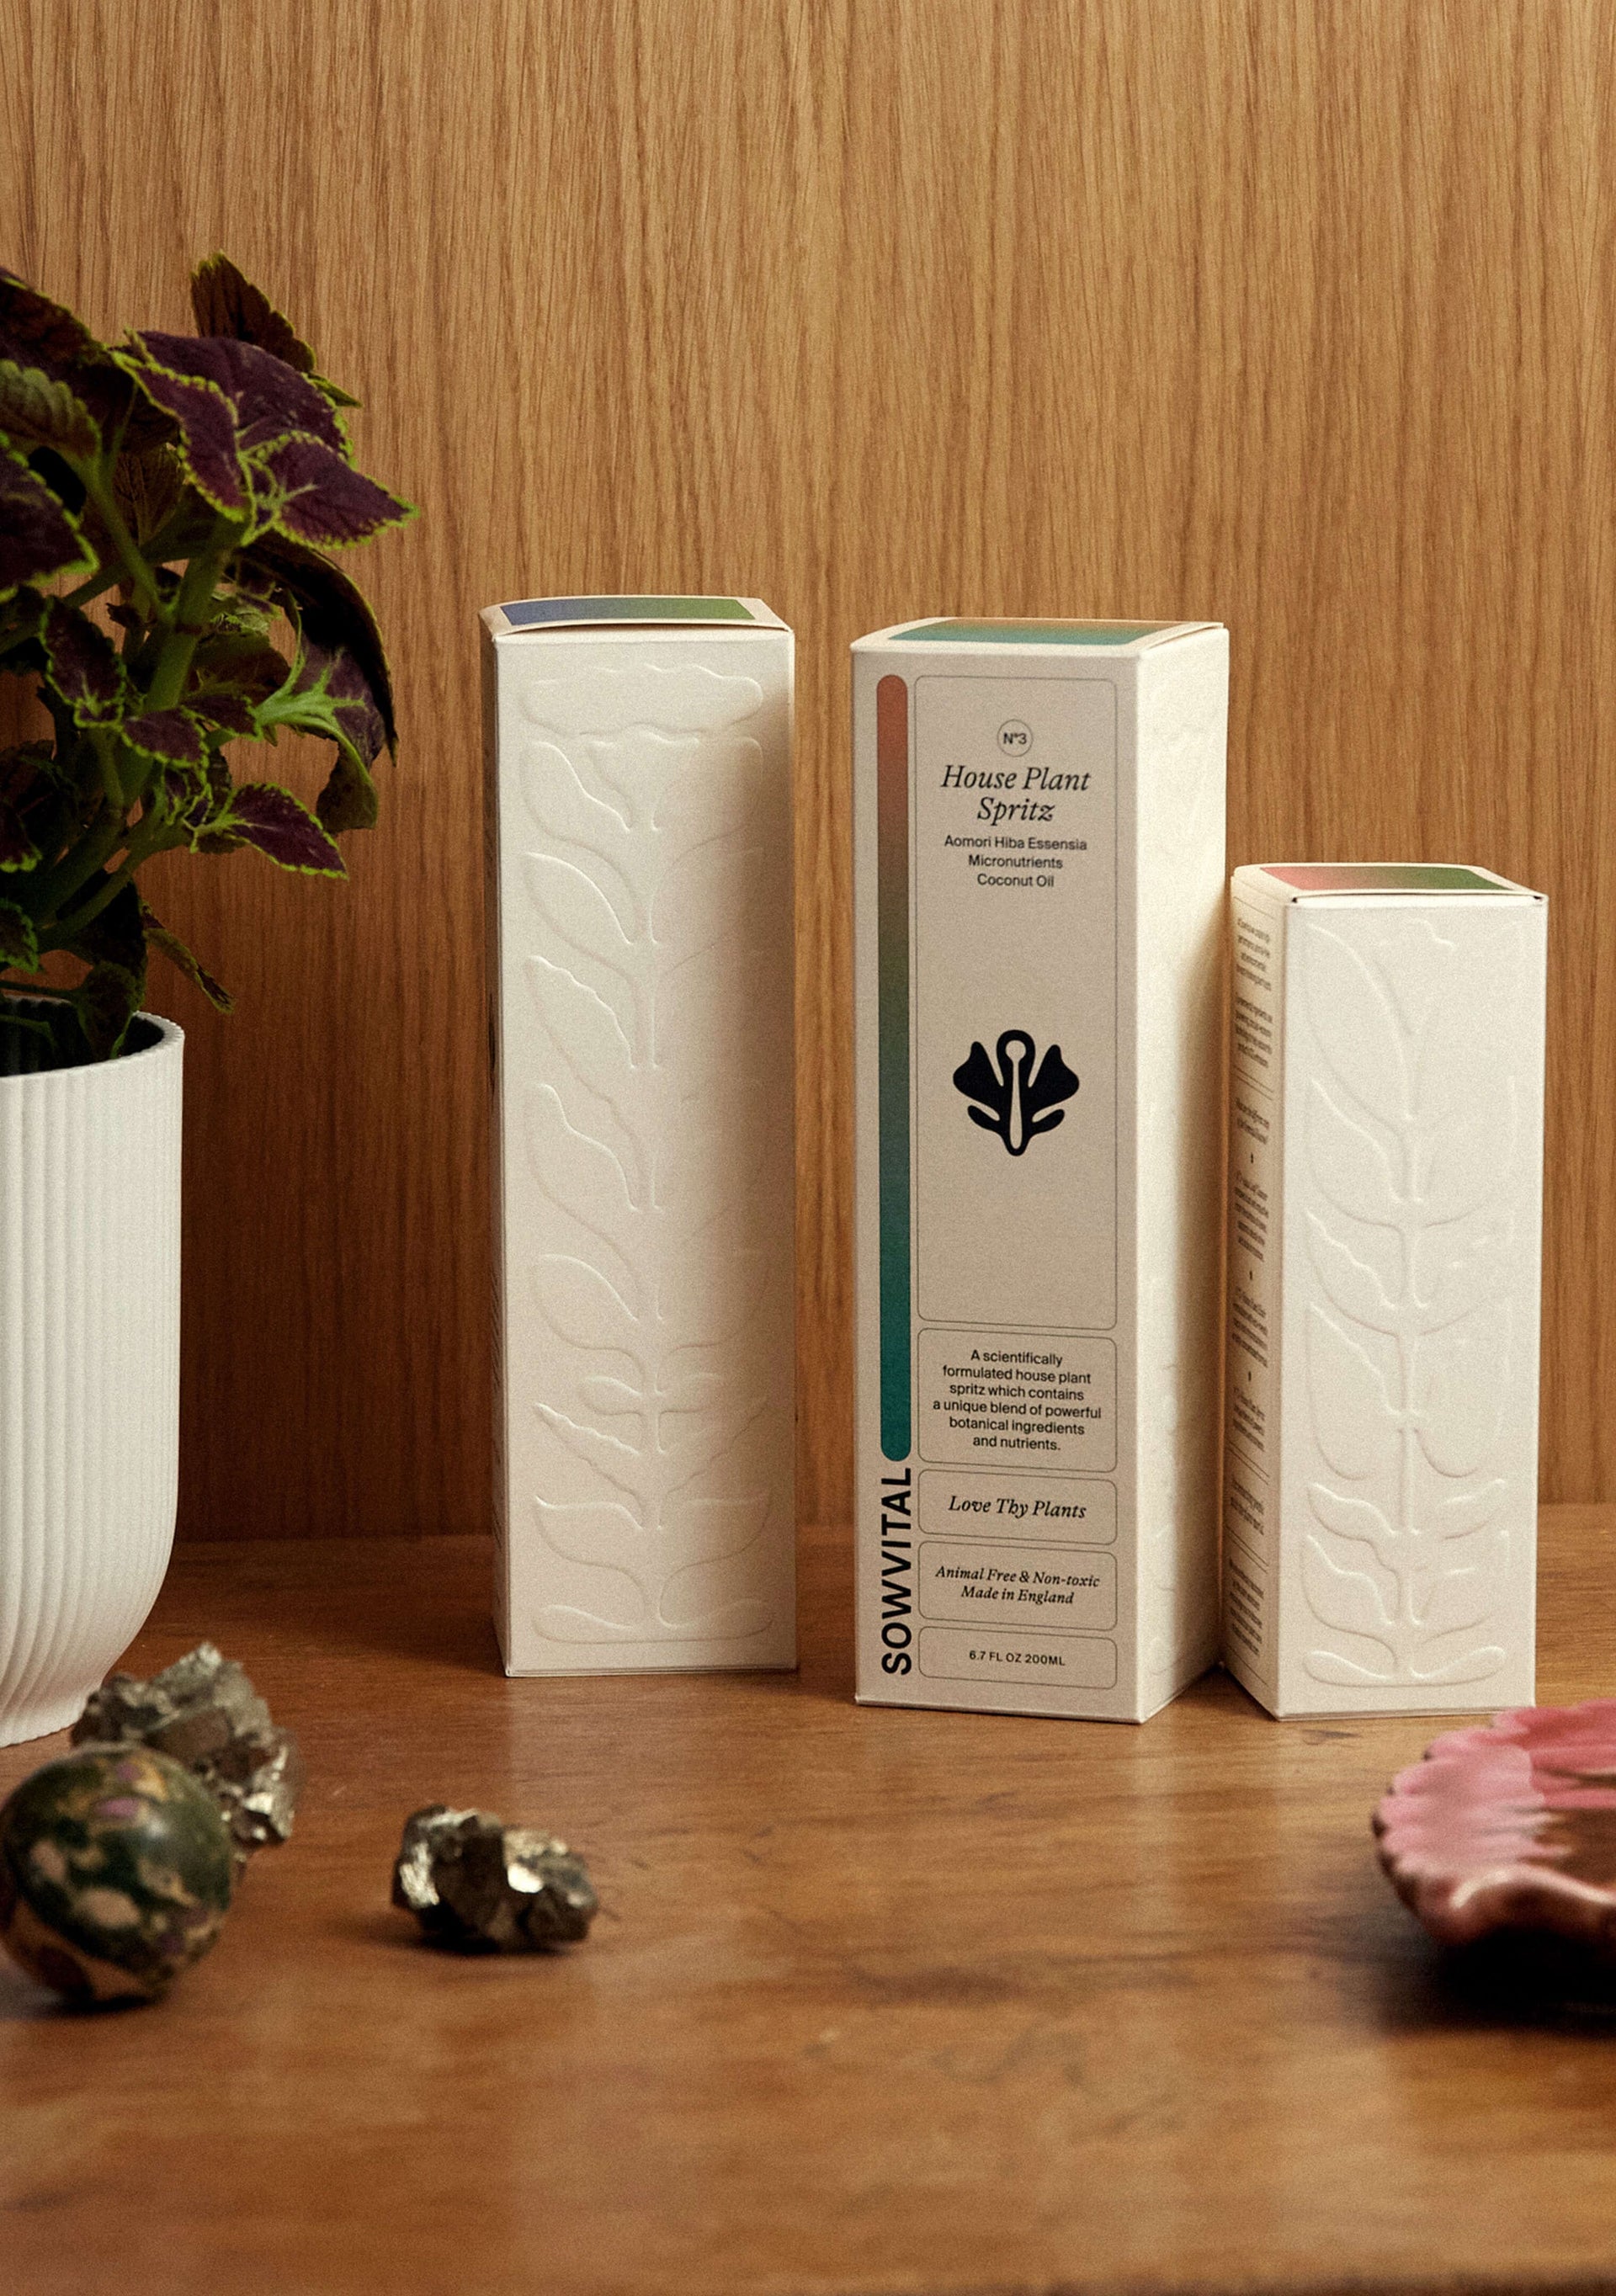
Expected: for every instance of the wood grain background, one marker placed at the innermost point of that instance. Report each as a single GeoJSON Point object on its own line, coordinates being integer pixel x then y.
{"type": "Point", "coordinates": [1296, 313]}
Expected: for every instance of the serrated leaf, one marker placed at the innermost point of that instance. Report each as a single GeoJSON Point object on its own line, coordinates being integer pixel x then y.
{"type": "Point", "coordinates": [226, 302]}
{"type": "Point", "coordinates": [82, 665]}
{"type": "Point", "coordinates": [147, 488]}
{"type": "Point", "coordinates": [169, 944]}
{"type": "Point", "coordinates": [205, 422]}
{"type": "Point", "coordinates": [37, 333]}
{"type": "Point", "coordinates": [172, 737]}
{"type": "Point", "coordinates": [34, 331]}
{"type": "Point", "coordinates": [233, 674]}
{"type": "Point", "coordinates": [321, 499]}
{"type": "Point", "coordinates": [107, 1000]}
{"type": "Point", "coordinates": [335, 697]}
{"type": "Point", "coordinates": [198, 796]}
{"type": "Point", "coordinates": [348, 800]}
{"type": "Point", "coordinates": [270, 819]}
{"type": "Point", "coordinates": [19, 942]}
{"type": "Point", "coordinates": [329, 608]}
{"type": "Point", "coordinates": [38, 410]}
{"type": "Point", "coordinates": [267, 397]}
{"type": "Point", "coordinates": [39, 538]}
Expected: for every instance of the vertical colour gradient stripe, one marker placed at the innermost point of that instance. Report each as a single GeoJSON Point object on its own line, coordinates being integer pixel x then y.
{"type": "Point", "coordinates": [892, 930]}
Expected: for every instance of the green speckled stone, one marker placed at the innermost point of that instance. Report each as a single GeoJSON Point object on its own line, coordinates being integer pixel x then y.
{"type": "Point", "coordinates": [115, 1873]}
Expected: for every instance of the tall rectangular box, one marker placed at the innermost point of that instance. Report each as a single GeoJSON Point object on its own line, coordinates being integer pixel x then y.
{"type": "Point", "coordinates": [1039, 882]}
{"type": "Point", "coordinates": [1385, 1210]}
{"type": "Point", "coordinates": [639, 931]}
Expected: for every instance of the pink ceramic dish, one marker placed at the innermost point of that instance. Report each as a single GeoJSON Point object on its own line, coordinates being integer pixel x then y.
{"type": "Point", "coordinates": [1510, 1827]}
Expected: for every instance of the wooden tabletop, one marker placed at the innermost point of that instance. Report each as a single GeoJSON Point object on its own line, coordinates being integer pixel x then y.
{"type": "Point", "coordinates": [878, 2001]}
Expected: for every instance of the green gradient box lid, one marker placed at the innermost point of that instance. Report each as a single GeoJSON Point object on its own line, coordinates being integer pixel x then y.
{"type": "Point", "coordinates": [1036, 632]}
{"type": "Point", "coordinates": [1315, 879]}
{"type": "Point", "coordinates": [521, 615]}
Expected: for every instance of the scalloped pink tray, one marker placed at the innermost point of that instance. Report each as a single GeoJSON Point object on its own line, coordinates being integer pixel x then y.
{"type": "Point", "coordinates": [1510, 1827]}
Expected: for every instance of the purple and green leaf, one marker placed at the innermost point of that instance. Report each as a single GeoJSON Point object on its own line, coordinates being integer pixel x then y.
{"type": "Point", "coordinates": [270, 819]}
{"type": "Point", "coordinates": [169, 944]}
{"type": "Point", "coordinates": [19, 941]}
{"type": "Point", "coordinates": [107, 1000]}
{"type": "Point", "coordinates": [331, 610]}
{"type": "Point", "coordinates": [226, 303]}
{"type": "Point", "coordinates": [171, 737]}
{"type": "Point", "coordinates": [318, 498]}
{"type": "Point", "coordinates": [82, 666]}
{"type": "Point", "coordinates": [39, 538]}
{"type": "Point", "coordinates": [41, 410]}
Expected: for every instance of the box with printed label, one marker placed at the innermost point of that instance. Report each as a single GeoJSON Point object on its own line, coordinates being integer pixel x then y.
{"type": "Point", "coordinates": [1038, 880]}
{"type": "Point", "coordinates": [639, 919]}
{"type": "Point", "coordinates": [1385, 1177]}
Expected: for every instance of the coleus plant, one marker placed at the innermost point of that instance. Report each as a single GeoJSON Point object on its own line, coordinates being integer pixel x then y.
{"type": "Point", "coordinates": [167, 505]}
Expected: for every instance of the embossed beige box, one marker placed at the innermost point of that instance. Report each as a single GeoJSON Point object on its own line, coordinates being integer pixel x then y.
{"type": "Point", "coordinates": [1385, 1191]}
{"type": "Point", "coordinates": [639, 928]}
{"type": "Point", "coordinates": [1038, 892]}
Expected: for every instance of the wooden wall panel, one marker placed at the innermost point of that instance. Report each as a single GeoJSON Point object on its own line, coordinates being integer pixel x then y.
{"type": "Point", "coordinates": [1297, 315]}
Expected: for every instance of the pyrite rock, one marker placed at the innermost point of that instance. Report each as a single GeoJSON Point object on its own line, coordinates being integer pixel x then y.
{"type": "Point", "coordinates": [115, 1873]}
{"type": "Point", "coordinates": [203, 1711]}
{"type": "Point", "coordinates": [478, 1885]}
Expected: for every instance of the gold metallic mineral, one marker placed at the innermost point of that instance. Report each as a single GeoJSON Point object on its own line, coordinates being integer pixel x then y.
{"type": "Point", "coordinates": [204, 1712]}
{"type": "Point", "coordinates": [480, 1886]}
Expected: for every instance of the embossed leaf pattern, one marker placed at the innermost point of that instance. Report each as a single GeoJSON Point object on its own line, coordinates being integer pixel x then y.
{"type": "Point", "coordinates": [1355, 1024]}
{"type": "Point", "coordinates": [1413, 1142]}
{"type": "Point", "coordinates": [643, 1144]}
{"type": "Point", "coordinates": [1347, 1599]}
{"type": "Point", "coordinates": [1352, 1416]}
{"type": "Point", "coordinates": [1461, 1378]}
{"type": "Point", "coordinates": [1350, 1165]}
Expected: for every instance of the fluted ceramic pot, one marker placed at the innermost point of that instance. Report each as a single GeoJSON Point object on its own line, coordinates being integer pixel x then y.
{"type": "Point", "coordinates": [89, 1368]}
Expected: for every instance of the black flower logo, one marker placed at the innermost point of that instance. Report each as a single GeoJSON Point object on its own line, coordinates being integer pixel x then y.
{"type": "Point", "coordinates": [1017, 1101]}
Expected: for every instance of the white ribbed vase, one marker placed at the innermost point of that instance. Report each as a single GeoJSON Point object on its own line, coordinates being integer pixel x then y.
{"type": "Point", "coordinates": [89, 1369]}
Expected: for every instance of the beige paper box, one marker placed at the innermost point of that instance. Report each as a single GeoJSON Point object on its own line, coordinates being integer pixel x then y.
{"type": "Point", "coordinates": [639, 816]}
{"type": "Point", "coordinates": [1039, 886]}
{"type": "Point", "coordinates": [1385, 1191]}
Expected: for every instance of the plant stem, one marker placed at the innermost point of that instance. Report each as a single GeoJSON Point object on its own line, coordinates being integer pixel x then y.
{"type": "Point", "coordinates": [77, 867]}
{"type": "Point", "coordinates": [101, 494]}
{"type": "Point", "coordinates": [101, 741]}
{"type": "Point", "coordinates": [189, 618]}
{"type": "Point", "coordinates": [68, 929]}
